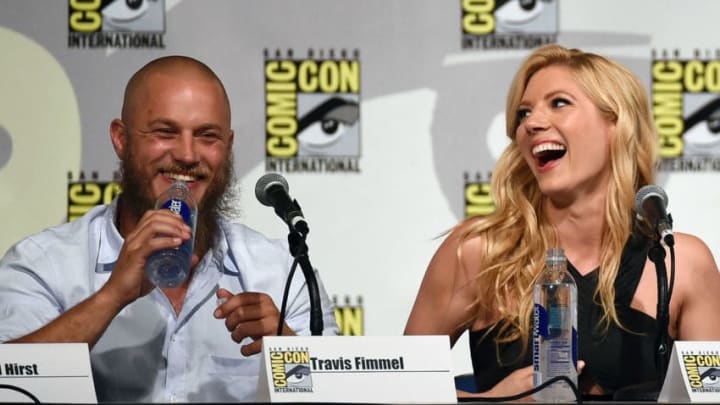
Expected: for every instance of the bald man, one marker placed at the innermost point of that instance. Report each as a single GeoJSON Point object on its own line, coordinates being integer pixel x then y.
{"type": "Point", "coordinates": [84, 281]}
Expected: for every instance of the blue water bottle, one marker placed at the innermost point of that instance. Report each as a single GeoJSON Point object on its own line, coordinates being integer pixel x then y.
{"type": "Point", "coordinates": [169, 268]}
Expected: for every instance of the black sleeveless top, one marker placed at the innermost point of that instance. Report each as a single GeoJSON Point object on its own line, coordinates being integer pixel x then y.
{"type": "Point", "coordinates": [613, 360]}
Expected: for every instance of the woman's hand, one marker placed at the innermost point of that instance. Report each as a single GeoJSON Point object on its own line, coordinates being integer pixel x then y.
{"type": "Point", "coordinates": [520, 380]}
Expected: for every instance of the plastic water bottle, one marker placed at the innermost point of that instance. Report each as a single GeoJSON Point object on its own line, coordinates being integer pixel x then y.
{"type": "Point", "coordinates": [555, 329]}
{"type": "Point", "coordinates": [170, 267]}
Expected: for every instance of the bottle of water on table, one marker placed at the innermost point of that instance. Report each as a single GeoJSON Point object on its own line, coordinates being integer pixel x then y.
{"type": "Point", "coordinates": [555, 328]}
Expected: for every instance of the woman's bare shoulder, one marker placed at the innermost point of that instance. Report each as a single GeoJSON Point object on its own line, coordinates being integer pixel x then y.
{"type": "Point", "coordinates": [698, 289]}
{"type": "Point", "coordinates": [468, 245]}
{"type": "Point", "coordinates": [447, 293]}
{"type": "Point", "coordinates": [694, 255]}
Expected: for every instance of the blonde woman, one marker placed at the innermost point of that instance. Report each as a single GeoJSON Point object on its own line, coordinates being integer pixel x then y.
{"type": "Point", "coordinates": [583, 142]}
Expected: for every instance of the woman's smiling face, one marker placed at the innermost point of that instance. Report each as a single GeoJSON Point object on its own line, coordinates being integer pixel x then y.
{"type": "Point", "coordinates": [563, 136]}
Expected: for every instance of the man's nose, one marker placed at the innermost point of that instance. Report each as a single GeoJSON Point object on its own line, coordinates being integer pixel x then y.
{"type": "Point", "coordinates": [185, 150]}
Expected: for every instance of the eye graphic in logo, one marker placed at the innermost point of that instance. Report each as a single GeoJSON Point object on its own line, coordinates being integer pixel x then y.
{"type": "Point", "coordinates": [133, 15]}
{"type": "Point", "coordinates": [298, 375]}
{"type": "Point", "coordinates": [516, 14]}
{"type": "Point", "coordinates": [702, 130]}
{"type": "Point", "coordinates": [711, 377]}
{"type": "Point", "coordinates": [122, 12]}
{"type": "Point", "coordinates": [324, 125]}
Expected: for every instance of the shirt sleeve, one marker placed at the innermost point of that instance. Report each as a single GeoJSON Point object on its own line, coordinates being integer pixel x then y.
{"type": "Point", "coordinates": [27, 302]}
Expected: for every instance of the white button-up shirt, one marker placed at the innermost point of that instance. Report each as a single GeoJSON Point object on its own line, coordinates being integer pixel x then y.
{"type": "Point", "coordinates": [148, 353]}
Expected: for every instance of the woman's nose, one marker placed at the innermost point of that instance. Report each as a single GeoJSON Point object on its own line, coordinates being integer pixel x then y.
{"type": "Point", "coordinates": [536, 121]}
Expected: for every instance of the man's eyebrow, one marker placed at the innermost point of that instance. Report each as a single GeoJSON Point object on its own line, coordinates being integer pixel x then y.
{"type": "Point", "coordinates": [163, 121]}
{"type": "Point", "coordinates": [208, 126]}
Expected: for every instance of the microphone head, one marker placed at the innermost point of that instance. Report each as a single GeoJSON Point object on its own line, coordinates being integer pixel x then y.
{"type": "Point", "coordinates": [646, 192]}
{"type": "Point", "coordinates": [265, 182]}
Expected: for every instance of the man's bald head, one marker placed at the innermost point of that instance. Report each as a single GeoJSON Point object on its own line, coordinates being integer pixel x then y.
{"type": "Point", "coordinates": [176, 119]}
{"type": "Point", "coordinates": [174, 66]}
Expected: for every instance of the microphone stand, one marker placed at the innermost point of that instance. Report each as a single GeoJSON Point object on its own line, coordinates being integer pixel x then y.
{"type": "Point", "coordinates": [662, 338]}
{"type": "Point", "coordinates": [299, 250]}
{"type": "Point", "coordinates": [650, 390]}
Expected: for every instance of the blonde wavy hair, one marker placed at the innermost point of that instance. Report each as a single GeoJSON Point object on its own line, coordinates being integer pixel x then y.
{"type": "Point", "coordinates": [516, 236]}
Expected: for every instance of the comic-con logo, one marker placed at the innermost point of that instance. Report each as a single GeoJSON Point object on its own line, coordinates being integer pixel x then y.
{"type": "Point", "coordinates": [312, 111]}
{"type": "Point", "coordinates": [477, 197]}
{"type": "Point", "coordinates": [291, 370]}
{"type": "Point", "coordinates": [508, 24]}
{"type": "Point", "coordinates": [703, 372]}
{"type": "Point", "coordinates": [686, 108]}
{"type": "Point", "coordinates": [116, 23]}
{"type": "Point", "coordinates": [83, 195]}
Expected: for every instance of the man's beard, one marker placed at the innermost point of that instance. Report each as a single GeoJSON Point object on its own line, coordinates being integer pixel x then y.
{"type": "Point", "coordinates": [136, 198]}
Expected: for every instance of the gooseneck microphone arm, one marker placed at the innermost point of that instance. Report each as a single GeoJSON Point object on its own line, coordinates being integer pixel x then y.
{"type": "Point", "coordinates": [299, 250]}
{"type": "Point", "coordinates": [662, 338]}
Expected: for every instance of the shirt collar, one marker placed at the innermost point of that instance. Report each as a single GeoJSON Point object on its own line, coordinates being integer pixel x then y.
{"type": "Point", "coordinates": [111, 241]}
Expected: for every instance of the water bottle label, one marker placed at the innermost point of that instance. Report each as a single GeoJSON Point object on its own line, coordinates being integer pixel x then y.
{"type": "Point", "coordinates": [540, 322]}
{"type": "Point", "coordinates": [179, 207]}
{"type": "Point", "coordinates": [574, 347]}
{"type": "Point", "coordinates": [540, 327]}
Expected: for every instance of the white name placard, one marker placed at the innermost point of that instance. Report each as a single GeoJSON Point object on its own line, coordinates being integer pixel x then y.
{"type": "Point", "coordinates": [693, 373]}
{"type": "Point", "coordinates": [394, 369]}
{"type": "Point", "coordinates": [46, 372]}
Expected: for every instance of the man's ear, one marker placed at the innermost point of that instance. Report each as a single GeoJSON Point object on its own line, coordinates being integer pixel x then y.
{"type": "Point", "coordinates": [118, 137]}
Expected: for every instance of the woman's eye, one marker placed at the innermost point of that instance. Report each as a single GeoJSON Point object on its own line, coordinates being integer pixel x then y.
{"type": "Point", "coordinates": [522, 114]}
{"type": "Point", "coordinates": [559, 102]}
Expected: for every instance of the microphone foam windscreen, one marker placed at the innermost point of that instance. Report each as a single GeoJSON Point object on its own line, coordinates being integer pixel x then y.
{"type": "Point", "coordinates": [648, 191]}
{"type": "Point", "coordinates": [264, 182]}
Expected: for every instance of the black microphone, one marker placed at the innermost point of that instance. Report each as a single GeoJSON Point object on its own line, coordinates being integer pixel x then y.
{"type": "Point", "coordinates": [650, 203]}
{"type": "Point", "coordinates": [271, 190]}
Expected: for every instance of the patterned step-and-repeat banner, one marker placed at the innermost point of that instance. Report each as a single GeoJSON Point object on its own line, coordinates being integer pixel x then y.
{"type": "Point", "coordinates": [385, 116]}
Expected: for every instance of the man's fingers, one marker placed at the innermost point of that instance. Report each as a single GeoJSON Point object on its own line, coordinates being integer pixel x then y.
{"type": "Point", "coordinates": [254, 329]}
{"type": "Point", "coordinates": [252, 348]}
{"type": "Point", "coordinates": [223, 296]}
{"type": "Point", "coordinates": [161, 222]}
{"type": "Point", "coordinates": [228, 303]}
{"type": "Point", "coordinates": [243, 315]}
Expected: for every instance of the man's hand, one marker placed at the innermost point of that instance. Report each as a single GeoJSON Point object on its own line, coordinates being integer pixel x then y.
{"type": "Point", "coordinates": [88, 320]}
{"type": "Point", "coordinates": [127, 281]}
{"type": "Point", "coordinates": [249, 314]}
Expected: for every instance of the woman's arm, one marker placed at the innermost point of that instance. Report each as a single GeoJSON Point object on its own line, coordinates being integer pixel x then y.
{"type": "Point", "coordinates": [444, 303]}
{"type": "Point", "coordinates": [698, 287]}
